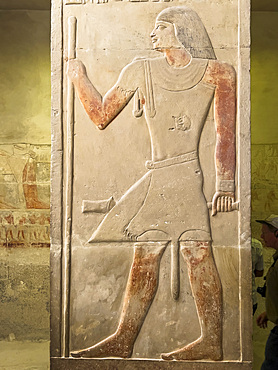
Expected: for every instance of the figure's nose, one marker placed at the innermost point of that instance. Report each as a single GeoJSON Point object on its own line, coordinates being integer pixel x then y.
{"type": "Point", "coordinates": [152, 33]}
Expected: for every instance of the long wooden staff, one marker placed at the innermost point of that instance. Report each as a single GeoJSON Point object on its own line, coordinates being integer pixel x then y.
{"type": "Point", "coordinates": [66, 256]}
{"type": "Point", "coordinates": [175, 270]}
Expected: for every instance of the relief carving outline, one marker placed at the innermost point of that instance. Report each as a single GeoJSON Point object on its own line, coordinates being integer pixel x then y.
{"type": "Point", "coordinates": [150, 214]}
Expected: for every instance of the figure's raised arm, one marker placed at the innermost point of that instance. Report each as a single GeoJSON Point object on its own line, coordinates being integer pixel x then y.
{"type": "Point", "coordinates": [223, 77]}
{"type": "Point", "coordinates": [101, 110]}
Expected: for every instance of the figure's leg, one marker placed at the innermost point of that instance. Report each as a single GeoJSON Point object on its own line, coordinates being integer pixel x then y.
{"type": "Point", "coordinates": [140, 291]}
{"type": "Point", "coordinates": [30, 187]}
{"type": "Point", "coordinates": [206, 290]}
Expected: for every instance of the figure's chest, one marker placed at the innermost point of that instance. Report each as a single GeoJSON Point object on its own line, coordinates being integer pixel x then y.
{"type": "Point", "coordinates": [184, 110]}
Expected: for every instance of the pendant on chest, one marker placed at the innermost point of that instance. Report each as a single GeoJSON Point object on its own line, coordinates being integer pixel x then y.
{"type": "Point", "coordinates": [180, 122]}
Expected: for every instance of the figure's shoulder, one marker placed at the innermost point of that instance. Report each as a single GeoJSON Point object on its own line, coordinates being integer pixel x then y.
{"type": "Point", "coordinates": [220, 69]}
{"type": "Point", "coordinates": [135, 66]}
{"type": "Point", "coordinates": [138, 65]}
{"type": "Point", "coordinates": [132, 75]}
{"type": "Point", "coordinates": [141, 61]}
{"type": "Point", "coordinates": [220, 73]}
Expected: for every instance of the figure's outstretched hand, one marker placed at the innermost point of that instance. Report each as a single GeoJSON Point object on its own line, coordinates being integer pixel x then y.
{"type": "Point", "coordinates": [262, 320]}
{"type": "Point", "coordinates": [222, 201]}
{"type": "Point", "coordinates": [75, 69]}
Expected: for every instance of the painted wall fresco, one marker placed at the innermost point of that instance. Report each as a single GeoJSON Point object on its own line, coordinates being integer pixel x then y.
{"type": "Point", "coordinates": [24, 195]}
{"type": "Point", "coordinates": [25, 130]}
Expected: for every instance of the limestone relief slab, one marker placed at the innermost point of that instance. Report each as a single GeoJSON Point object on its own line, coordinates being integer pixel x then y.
{"type": "Point", "coordinates": [153, 227]}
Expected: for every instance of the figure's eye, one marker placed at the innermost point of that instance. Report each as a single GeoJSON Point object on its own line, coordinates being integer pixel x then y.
{"type": "Point", "coordinates": [160, 27]}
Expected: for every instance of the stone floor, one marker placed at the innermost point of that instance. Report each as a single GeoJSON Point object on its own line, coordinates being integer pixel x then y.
{"type": "Point", "coordinates": [24, 355]}
{"type": "Point", "coordinates": [17, 355]}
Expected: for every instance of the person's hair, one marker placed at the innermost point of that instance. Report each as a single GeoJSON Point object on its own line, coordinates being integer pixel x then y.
{"type": "Point", "coordinates": [190, 31]}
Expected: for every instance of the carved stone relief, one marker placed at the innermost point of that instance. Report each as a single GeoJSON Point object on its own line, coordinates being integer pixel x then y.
{"type": "Point", "coordinates": [153, 227]}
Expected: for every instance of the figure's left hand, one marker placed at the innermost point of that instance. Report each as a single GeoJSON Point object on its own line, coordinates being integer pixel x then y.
{"type": "Point", "coordinates": [222, 201]}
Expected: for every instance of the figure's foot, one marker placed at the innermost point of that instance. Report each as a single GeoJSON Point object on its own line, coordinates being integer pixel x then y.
{"type": "Point", "coordinates": [199, 350]}
{"type": "Point", "coordinates": [113, 346]}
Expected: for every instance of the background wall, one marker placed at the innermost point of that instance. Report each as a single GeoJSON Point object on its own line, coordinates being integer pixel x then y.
{"type": "Point", "coordinates": [264, 113]}
{"type": "Point", "coordinates": [24, 172]}
{"type": "Point", "coordinates": [264, 137]}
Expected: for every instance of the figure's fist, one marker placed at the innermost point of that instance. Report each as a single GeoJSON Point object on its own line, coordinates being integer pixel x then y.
{"type": "Point", "coordinates": [223, 202]}
{"type": "Point", "coordinates": [75, 69]}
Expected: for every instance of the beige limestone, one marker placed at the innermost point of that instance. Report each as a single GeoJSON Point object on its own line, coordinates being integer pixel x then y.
{"type": "Point", "coordinates": [161, 213]}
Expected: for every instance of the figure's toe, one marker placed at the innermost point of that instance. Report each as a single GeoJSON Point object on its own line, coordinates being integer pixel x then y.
{"type": "Point", "coordinates": [167, 356]}
{"type": "Point", "coordinates": [76, 354]}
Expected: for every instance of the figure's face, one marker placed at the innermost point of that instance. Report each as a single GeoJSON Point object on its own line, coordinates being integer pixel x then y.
{"type": "Point", "coordinates": [268, 237]}
{"type": "Point", "coordinates": [164, 37]}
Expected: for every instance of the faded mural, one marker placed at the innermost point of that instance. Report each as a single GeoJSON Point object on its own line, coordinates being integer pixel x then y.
{"type": "Point", "coordinates": [24, 195]}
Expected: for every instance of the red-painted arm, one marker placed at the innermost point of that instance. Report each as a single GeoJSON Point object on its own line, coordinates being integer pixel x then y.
{"type": "Point", "coordinates": [223, 77]}
{"type": "Point", "coordinates": [101, 110]}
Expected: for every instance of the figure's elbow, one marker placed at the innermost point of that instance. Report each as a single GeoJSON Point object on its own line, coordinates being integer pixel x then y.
{"type": "Point", "coordinates": [98, 118]}
{"type": "Point", "coordinates": [103, 122]}
{"type": "Point", "coordinates": [101, 126]}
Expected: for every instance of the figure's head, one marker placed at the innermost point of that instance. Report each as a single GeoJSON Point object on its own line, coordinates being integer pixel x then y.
{"type": "Point", "coordinates": [181, 27]}
{"type": "Point", "coordinates": [164, 36]}
{"type": "Point", "coordinates": [270, 231]}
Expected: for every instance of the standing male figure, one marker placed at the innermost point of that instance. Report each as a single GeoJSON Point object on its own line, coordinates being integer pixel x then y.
{"type": "Point", "coordinates": [167, 205]}
{"type": "Point", "coordinates": [270, 237]}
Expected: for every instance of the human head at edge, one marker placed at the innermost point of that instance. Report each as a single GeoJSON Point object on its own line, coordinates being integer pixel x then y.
{"type": "Point", "coordinates": [190, 31]}
{"type": "Point", "coordinates": [270, 231]}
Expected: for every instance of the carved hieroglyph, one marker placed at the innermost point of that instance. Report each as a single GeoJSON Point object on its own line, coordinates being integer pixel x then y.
{"type": "Point", "coordinates": [184, 97]}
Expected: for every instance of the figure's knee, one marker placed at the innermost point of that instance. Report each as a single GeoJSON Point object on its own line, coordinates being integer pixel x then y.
{"type": "Point", "coordinates": [195, 252]}
{"type": "Point", "coordinates": [197, 235]}
{"type": "Point", "coordinates": [149, 251]}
